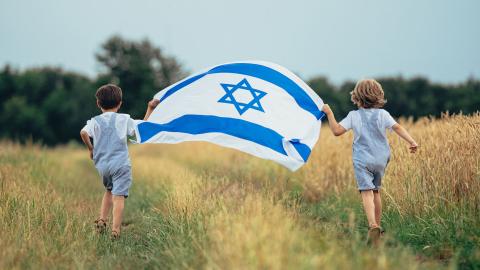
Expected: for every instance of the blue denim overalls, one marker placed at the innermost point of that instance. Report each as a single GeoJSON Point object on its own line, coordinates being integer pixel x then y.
{"type": "Point", "coordinates": [371, 151]}
{"type": "Point", "coordinates": [110, 155]}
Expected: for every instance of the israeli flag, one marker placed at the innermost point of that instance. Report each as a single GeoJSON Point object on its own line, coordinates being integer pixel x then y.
{"type": "Point", "coordinates": [256, 107]}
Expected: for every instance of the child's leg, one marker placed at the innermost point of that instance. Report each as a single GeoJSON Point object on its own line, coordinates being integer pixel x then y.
{"type": "Point", "coordinates": [378, 206]}
{"type": "Point", "coordinates": [369, 207]}
{"type": "Point", "coordinates": [118, 205]}
{"type": "Point", "coordinates": [106, 205]}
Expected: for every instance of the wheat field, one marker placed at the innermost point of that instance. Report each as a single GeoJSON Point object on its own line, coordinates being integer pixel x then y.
{"type": "Point", "coordinates": [199, 206]}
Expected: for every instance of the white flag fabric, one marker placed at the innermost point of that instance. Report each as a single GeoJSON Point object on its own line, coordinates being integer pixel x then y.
{"type": "Point", "coordinates": [256, 107]}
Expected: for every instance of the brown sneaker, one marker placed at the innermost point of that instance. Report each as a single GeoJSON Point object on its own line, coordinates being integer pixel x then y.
{"type": "Point", "coordinates": [100, 225]}
{"type": "Point", "coordinates": [115, 235]}
{"type": "Point", "coordinates": [382, 232]}
{"type": "Point", "coordinates": [373, 236]}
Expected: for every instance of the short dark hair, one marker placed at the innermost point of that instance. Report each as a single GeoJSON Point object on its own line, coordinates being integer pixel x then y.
{"type": "Point", "coordinates": [109, 96]}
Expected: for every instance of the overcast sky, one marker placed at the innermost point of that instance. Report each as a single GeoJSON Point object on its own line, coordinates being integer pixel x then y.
{"type": "Point", "coordinates": [339, 39]}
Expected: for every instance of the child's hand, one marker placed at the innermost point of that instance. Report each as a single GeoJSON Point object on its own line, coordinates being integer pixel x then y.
{"type": "Point", "coordinates": [413, 147]}
{"type": "Point", "coordinates": [152, 104]}
{"type": "Point", "coordinates": [326, 109]}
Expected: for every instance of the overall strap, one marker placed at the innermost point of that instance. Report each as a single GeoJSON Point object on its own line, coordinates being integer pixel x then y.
{"type": "Point", "coordinates": [112, 120]}
{"type": "Point", "coordinates": [100, 121]}
{"type": "Point", "coordinates": [375, 115]}
{"type": "Point", "coordinates": [363, 124]}
{"type": "Point", "coordinates": [363, 117]}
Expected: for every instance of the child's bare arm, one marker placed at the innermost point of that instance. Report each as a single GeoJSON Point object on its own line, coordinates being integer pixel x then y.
{"type": "Point", "coordinates": [152, 104]}
{"type": "Point", "coordinates": [403, 133]}
{"type": "Point", "coordinates": [336, 128]}
{"type": "Point", "coordinates": [86, 140]}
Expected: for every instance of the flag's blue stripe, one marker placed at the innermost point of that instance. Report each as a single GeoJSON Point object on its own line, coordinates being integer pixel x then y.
{"type": "Point", "coordinates": [200, 124]}
{"type": "Point", "coordinates": [264, 73]}
{"type": "Point", "coordinates": [302, 149]}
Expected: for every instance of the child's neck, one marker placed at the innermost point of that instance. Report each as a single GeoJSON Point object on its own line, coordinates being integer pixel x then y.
{"type": "Point", "coordinates": [110, 110]}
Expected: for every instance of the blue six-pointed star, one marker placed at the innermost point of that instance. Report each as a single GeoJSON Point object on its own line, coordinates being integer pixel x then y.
{"type": "Point", "coordinates": [241, 106]}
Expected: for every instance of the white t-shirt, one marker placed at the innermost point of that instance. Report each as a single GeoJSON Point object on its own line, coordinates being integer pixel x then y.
{"type": "Point", "coordinates": [354, 121]}
{"type": "Point", "coordinates": [124, 125]}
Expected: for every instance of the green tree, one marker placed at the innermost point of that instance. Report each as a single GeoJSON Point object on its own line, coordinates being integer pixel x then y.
{"type": "Point", "coordinates": [44, 104]}
{"type": "Point", "coordinates": [139, 68]}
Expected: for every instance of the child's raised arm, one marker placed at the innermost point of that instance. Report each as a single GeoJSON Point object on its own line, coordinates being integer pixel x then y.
{"type": "Point", "coordinates": [403, 133]}
{"type": "Point", "coordinates": [336, 128]}
{"type": "Point", "coordinates": [152, 104]}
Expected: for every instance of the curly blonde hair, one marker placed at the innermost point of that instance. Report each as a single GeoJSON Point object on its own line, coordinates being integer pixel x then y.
{"type": "Point", "coordinates": [368, 93]}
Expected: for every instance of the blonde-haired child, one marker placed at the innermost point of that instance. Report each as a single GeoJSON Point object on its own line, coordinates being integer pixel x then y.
{"type": "Point", "coordinates": [371, 151]}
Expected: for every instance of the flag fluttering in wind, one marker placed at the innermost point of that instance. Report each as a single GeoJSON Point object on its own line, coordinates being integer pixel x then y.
{"type": "Point", "coordinates": [256, 107]}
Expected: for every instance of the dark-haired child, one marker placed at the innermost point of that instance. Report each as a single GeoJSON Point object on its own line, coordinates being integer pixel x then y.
{"type": "Point", "coordinates": [109, 152]}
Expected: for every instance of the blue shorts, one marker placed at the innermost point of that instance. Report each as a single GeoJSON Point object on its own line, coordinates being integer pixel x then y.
{"type": "Point", "coordinates": [368, 177]}
{"type": "Point", "coordinates": [118, 181]}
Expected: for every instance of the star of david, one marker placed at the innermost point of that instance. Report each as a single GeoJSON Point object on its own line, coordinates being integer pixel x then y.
{"type": "Point", "coordinates": [242, 107]}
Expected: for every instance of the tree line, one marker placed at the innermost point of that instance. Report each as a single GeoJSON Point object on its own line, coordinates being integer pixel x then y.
{"type": "Point", "coordinates": [50, 105]}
